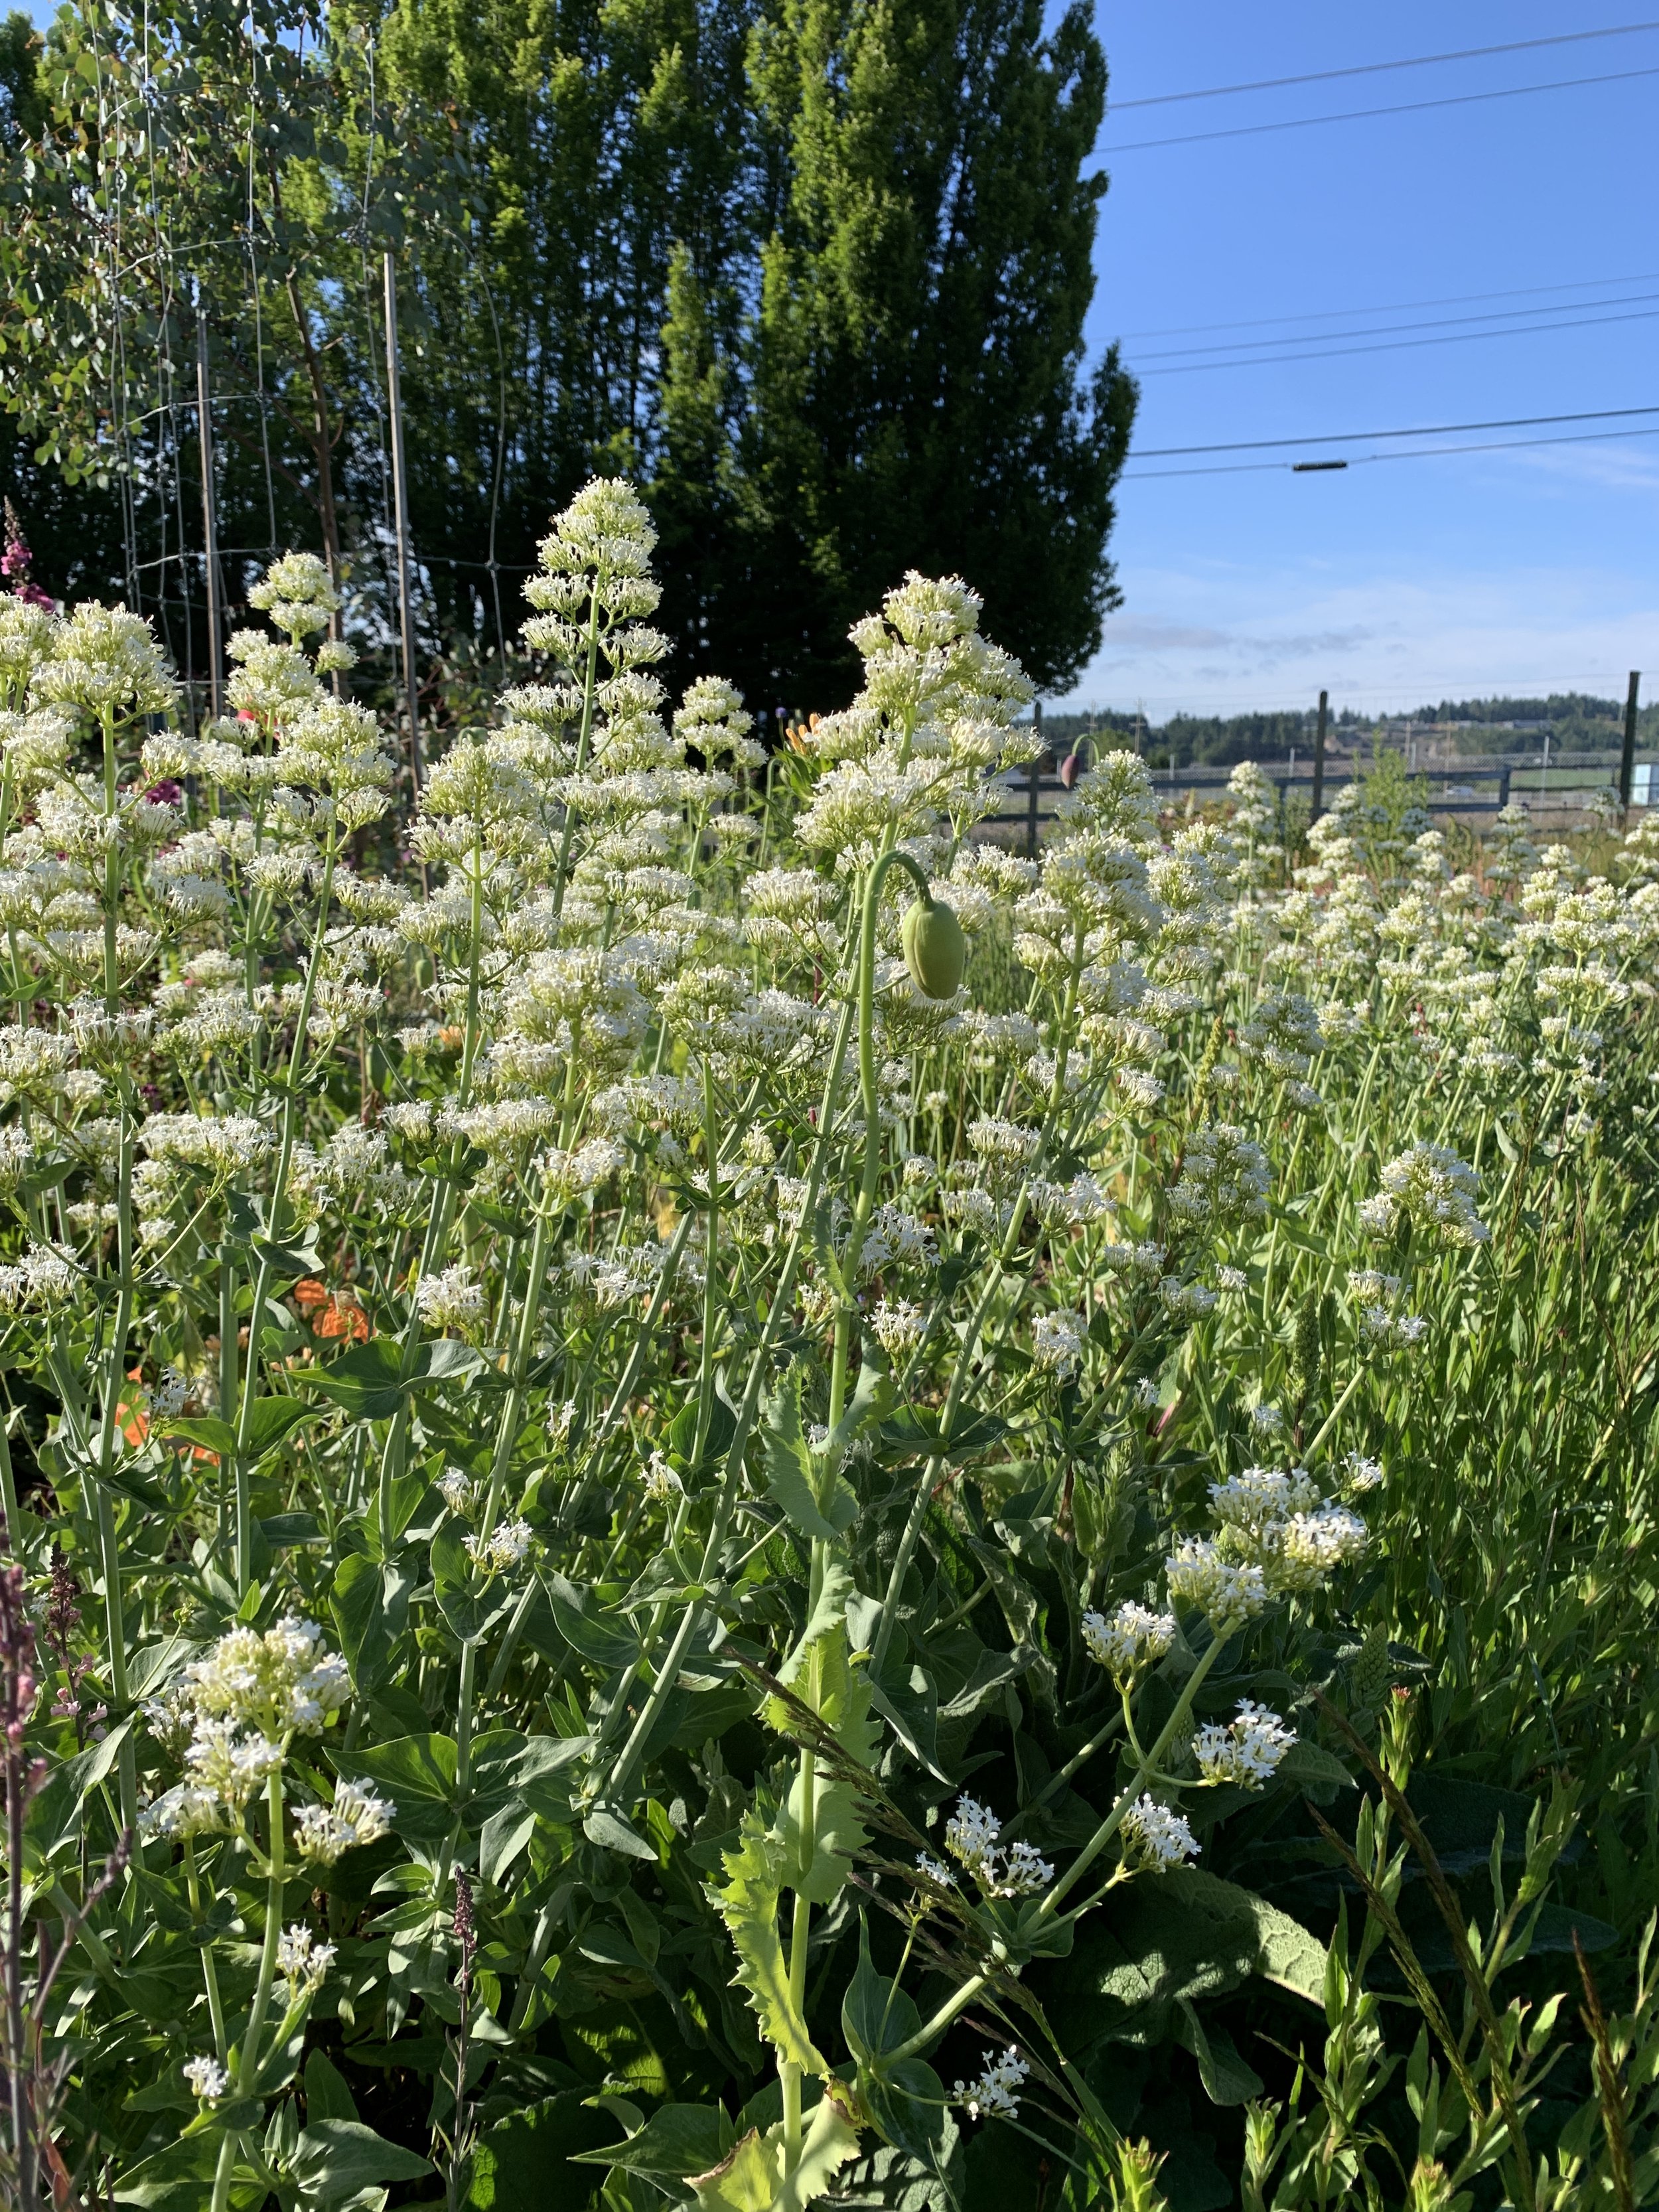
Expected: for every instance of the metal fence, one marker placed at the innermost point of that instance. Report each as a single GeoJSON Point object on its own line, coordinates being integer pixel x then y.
{"type": "Point", "coordinates": [1462, 791]}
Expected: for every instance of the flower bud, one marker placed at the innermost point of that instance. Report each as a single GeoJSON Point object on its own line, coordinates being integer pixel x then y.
{"type": "Point", "coordinates": [935, 950]}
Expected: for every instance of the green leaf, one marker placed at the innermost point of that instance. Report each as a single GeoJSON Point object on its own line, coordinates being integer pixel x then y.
{"type": "Point", "coordinates": [748, 1902]}
{"type": "Point", "coordinates": [875, 2015]}
{"type": "Point", "coordinates": [336, 2157]}
{"type": "Point", "coordinates": [370, 1605]}
{"type": "Point", "coordinates": [606, 1641]}
{"type": "Point", "coordinates": [790, 1481]}
{"type": "Point", "coordinates": [418, 1772]}
{"type": "Point", "coordinates": [677, 2142]}
{"type": "Point", "coordinates": [208, 1433]}
{"type": "Point", "coordinates": [604, 1826]}
{"type": "Point", "coordinates": [179, 2179]}
{"type": "Point", "coordinates": [283, 1528]}
{"type": "Point", "coordinates": [364, 1382]}
{"type": "Point", "coordinates": [518, 2165]}
{"type": "Point", "coordinates": [1317, 1771]}
{"type": "Point", "coordinates": [327, 2097]}
{"type": "Point", "coordinates": [1227, 2080]}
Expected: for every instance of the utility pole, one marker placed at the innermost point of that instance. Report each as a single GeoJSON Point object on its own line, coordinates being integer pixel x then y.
{"type": "Point", "coordinates": [209, 523]}
{"type": "Point", "coordinates": [400, 494]}
{"type": "Point", "coordinates": [1318, 807]}
{"type": "Point", "coordinates": [1627, 758]}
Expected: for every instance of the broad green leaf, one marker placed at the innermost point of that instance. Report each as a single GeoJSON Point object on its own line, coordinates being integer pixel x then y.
{"type": "Point", "coordinates": [418, 1773]}
{"type": "Point", "coordinates": [607, 1641]}
{"type": "Point", "coordinates": [370, 1604]}
{"type": "Point", "coordinates": [748, 1901]}
{"type": "Point", "coordinates": [207, 1434]}
{"type": "Point", "coordinates": [875, 2014]}
{"type": "Point", "coordinates": [602, 1826]}
{"type": "Point", "coordinates": [336, 2157]}
{"type": "Point", "coordinates": [327, 2096]}
{"type": "Point", "coordinates": [677, 2142]}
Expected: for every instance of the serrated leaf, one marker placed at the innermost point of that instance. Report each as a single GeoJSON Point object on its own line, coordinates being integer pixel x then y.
{"type": "Point", "coordinates": [790, 1480]}
{"type": "Point", "coordinates": [748, 1901]}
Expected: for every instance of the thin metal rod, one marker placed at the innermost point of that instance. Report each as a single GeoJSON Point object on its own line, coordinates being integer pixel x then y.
{"type": "Point", "coordinates": [209, 526]}
{"type": "Point", "coordinates": [400, 497]}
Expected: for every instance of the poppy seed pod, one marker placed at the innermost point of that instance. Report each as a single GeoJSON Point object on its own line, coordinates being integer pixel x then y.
{"type": "Point", "coordinates": [935, 950]}
{"type": "Point", "coordinates": [1069, 769]}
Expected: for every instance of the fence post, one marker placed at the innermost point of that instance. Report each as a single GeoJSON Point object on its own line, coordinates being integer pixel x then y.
{"type": "Point", "coordinates": [1318, 807]}
{"type": "Point", "coordinates": [1503, 784]}
{"type": "Point", "coordinates": [1031, 797]}
{"type": "Point", "coordinates": [1627, 758]}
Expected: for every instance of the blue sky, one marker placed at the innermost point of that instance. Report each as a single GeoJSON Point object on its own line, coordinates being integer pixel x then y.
{"type": "Point", "coordinates": [1398, 583]}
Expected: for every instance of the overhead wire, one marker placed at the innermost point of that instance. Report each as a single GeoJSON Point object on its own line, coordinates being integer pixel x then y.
{"type": "Point", "coordinates": [1363, 114]}
{"type": "Point", "coordinates": [1403, 453]}
{"type": "Point", "coordinates": [1418, 430]}
{"type": "Point", "coordinates": [1402, 345]}
{"type": "Point", "coordinates": [1394, 329]}
{"type": "Point", "coordinates": [1373, 69]}
{"type": "Point", "coordinates": [1395, 306]}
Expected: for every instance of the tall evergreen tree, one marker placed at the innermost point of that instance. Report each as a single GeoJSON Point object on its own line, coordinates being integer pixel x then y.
{"type": "Point", "coordinates": [817, 271]}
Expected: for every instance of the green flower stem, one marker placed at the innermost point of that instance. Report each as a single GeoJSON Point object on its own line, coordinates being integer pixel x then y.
{"type": "Point", "coordinates": [584, 739]}
{"type": "Point", "coordinates": [209, 1970]}
{"type": "Point", "coordinates": [668, 1673]}
{"type": "Point", "coordinates": [916, 1518]}
{"type": "Point", "coordinates": [256, 1322]}
{"type": "Point", "coordinates": [959, 2000]}
{"type": "Point", "coordinates": [513, 1412]}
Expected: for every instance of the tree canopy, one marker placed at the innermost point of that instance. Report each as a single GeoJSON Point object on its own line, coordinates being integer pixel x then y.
{"type": "Point", "coordinates": [815, 270]}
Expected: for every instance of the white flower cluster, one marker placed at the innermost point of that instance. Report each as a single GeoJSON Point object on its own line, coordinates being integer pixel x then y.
{"type": "Point", "coordinates": [504, 1547]}
{"type": "Point", "coordinates": [993, 2095]}
{"type": "Point", "coordinates": [356, 1816]}
{"type": "Point", "coordinates": [1129, 1640]}
{"type": "Point", "coordinates": [1015, 1869]}
{"type": "Point", "coordinates": [1432, 1189]}
{"type": "Point", "coordinates": [237, 1711]}
{"type": "Point", "coordinates": [1246, 1750]}
{"type": "Point", "coordinates": [1155, 1837]}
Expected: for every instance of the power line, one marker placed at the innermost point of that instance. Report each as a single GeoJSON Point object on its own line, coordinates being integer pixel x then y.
{"type": "Point", "coordinates": [1401, 453]}
{"type": "Point", "coordinates": [1421, 430]}
{"type": "Point", "coordinates": [1393, 307]}
{"type": "Point", "coordinates": [1392, 330]}
{"type": "Point", "coordinates": [1361, 114]}
{"type": "Point", "coordinates": [1371, 68]}
{"type": "Point", "coordinates": [1402, 345]}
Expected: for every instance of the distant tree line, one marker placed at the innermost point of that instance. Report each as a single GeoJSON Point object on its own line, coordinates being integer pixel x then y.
{"type": "Point", "coordinates": [1577, 722]}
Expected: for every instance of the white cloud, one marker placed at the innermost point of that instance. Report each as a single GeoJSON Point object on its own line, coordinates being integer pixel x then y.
{"type": "Point", "coordinates": [1220, 638]}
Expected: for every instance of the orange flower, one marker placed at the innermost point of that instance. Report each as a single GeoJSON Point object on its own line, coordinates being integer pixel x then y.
{"type": "Point", "coordinates": [332, 1313]}
{"type": "Point", "coordinates": [344, 1316]}
{"type": "Point", "coordinates": [132, 1412]}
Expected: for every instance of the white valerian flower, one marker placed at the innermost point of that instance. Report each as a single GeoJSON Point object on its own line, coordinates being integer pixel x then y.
{"type": "Point", "coordinates": [206, 2079]}
{"type": "Point", "coordinates": [1131, 1638]}
{"type": "Point", "coordinates": [1224, 1178]}
{"type": "Point", "coordinates": [279, 1683]}
{"type": "Point", "coordinates": [1058, 1341]}
{"type": "Point", "coordinates": [451, 1300]}
{"type": "Point", "coordinates": [1012, 1870]}
{"type": "Point", "coordinates": [1363, 1474]}
{"type": "Point", "coordinates": [970, 1834]}
{"type": "Point", "coordinates": [1157, 1837]}
{"type": "Point", "coordinates": [1314, 1545]}
{"type": "Point", "coordinates": [897, 1325]}
{"type": "Point", "coordinates": [1232, 1279]}
{"type": "Point", "coordinates": [1432, 1189]}
{"type": "Point", "coordinates": [1266, 1421]}
{"type": "Point", "coordinates": [661, 1480]}
{"type": "Point", "coordinates": [503, 1548]}
{"type": "Point", "coordinates": [995, 2093]}
{"type": "Point", "coordinates": [1246, 1750]}
{"type": "Point", "coordinates": [301, 1960]}
{"type": "Point", "coordinates": [457, 1490]}
{"type": "Point", "coordinates": [355, 1817]}
{"type": "Point", "coordinates": [1225, 1594]}
{"type": "Point", "coordinates": [936, 1870]}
